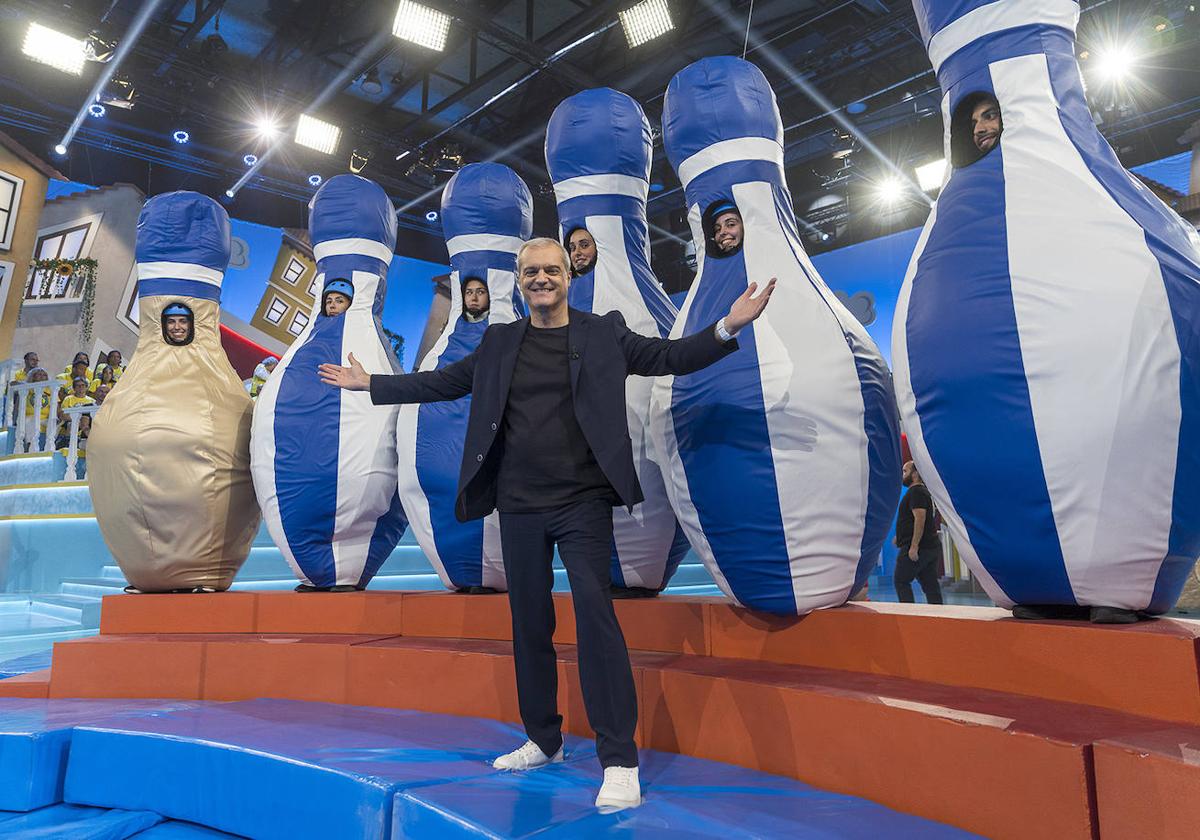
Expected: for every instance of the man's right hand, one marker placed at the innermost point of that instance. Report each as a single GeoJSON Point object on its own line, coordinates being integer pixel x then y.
{"type": "Point", "coordinates": [353, 378]}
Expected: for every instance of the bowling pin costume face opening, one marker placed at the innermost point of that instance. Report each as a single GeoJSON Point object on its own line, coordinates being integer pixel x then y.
{"type": "Point", "coordinates": [975, 128]}
{"type": "Point", "coordinates": [581, 248]}
{"type": "Point", "coordinates": [476, 300]}
{"type": "Point", "coordinates": [1045, 343]}
{"type": "Point", "coordinates": [178, 325]}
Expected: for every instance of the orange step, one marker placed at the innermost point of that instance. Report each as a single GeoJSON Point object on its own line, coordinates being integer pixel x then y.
{"type": "Point", "coordinates": [35, 684]}
{"type": "Point", "coordinates": [1148, 785]}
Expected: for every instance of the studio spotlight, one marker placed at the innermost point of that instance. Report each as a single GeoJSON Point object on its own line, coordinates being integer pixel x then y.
{"type": "Point", "coordinates": [646, 21]}
{"type": "Point", "coordinates": [249, 160]}
{"type": "Point", "coordinates": [314, 180]}
{"type": "Point", "coordinates": [181, 137]}
{"type": "Point", "coordinates": [229, 193]}
{"type": "Point", "coordinates": [370, 84]}
{"type": "Point", "coordinates": [889, 190]}
{"type": "Point", "coordinates": [843, 146]}
{"type": "Point", "coordinates": [1113, 65]}
{"type": "Point", "coordinates": [118, 93]}
{"type": "Point", "coordinates": [60, 149]}
{"type": "Point", "coordinates": [266, 128]}
{"type": "Point", "coordinates": [931, 175]}
{"type": "Point", "coordinates": [54, 49]}
{"type": "Point", "coordinates": [317, 134]}
{"type": "Point", "coordinates": [431, 216]}
{"type": "Point", "coordinates": [450, 160]}
{"type": "Point", "coordinates": [421, 25]}
{"type": "Point", "coordinates": [359, 158]}
{"type": "Point", "coordinates": [856, 108]}
{"type": "Point", "coordinates": [97, 110]}
{"type": "Point", "coordinates": [98, 49]}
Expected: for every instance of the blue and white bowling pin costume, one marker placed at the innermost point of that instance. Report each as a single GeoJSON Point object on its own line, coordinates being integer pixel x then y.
{"type": "Point", "coordinates": [598, 152]}
{"type": "Point", "coordinates": [324, 459]}
{"type": "Point", "coordinates": [169, 454]}
{"type": "Point", "coordinates": [1045, 343]}
{"type": "Point", "coordinates": [783, 459]}
{"type": "Point", "coordinates": [487, 213]}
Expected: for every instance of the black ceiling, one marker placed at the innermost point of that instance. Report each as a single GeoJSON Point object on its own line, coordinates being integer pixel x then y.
{"type": "Point", "coordinates": [211, 66]}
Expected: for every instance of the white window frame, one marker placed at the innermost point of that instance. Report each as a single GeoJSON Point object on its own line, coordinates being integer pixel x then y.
{"type": "Point", "coordinates": [8, 226]}
{"type": "Point", "coordinates": [295, 320]}
{"type": "Point", "coordinates": [275, 299]}
{"type": "Point", "coordinates": [312, 287]}
{"type": "Point", "coordinates": [7, 269]}
{"type": "Point", "coordinates": [127, 310]}
{"type": "Point", "coordinates": [93, 227]}
{"type": "Point", "coordinates": [293, 261]}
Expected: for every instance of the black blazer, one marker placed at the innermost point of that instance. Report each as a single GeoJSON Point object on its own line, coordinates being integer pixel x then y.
{"type": "Point", "coordinates": [603, 351]}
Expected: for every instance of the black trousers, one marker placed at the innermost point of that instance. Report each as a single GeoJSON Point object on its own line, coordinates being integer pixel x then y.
{"type": "Point", "coordinates": [583, 532]}
{"type": "Point", "coordinates": [926, 570]}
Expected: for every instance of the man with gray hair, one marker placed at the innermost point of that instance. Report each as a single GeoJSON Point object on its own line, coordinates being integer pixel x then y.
{"type": "Point", "coordinates": [548, 445]}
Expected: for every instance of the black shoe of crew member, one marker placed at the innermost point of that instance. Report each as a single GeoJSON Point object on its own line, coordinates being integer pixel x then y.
{"type": "Point", "coordinates": [476, 300]}
{"type": "Point", "coordinates": [177, 326]}
{"type": "Point", "coordinates": [727, 230]}
{"type": "Point", "coordinates": [581, 248]}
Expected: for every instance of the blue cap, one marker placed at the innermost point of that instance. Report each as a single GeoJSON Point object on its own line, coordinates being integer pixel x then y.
{"type": "Point", "coordinates": [724, 207]}
{"type": "Point", "coordinates": [342, 286]}
{"type": "Point", "coordinates": [176, 309]}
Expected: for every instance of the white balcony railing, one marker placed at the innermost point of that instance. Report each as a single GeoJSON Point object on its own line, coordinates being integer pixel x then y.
{"type": "Point", "coordinates": [76, 416]}
{"type": "Point", "coordinates": [23, 408]}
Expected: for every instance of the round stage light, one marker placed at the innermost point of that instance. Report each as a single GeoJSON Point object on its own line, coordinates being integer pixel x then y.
{"type": "Point", "coordinates": [181, 136]}
{"type": "Point", "coordinates": [890, 190]}
{"type": "Point", "coordinates": [60, 149]}
{"type": "Point", "coordinates": [96, 110]}
{"type": "Point", "coordinates": [656, 188]}
{"type": "Point", "coordinates": [250, 160]}
{"type": "Point", "coordinates": [229, 193]}
{"type": "Point", "coordinates": [266, 128]}
{"type": "Point", "coordinates": [1114, 64]}
{"type": "Point", "coordinates": [856, 108]}
{"type": "Point", "coordinates": [315, 180]}
{"type": "Point", "coordinates": [431, 216]}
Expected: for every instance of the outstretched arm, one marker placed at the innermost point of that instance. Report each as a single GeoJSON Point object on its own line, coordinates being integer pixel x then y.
{"type": "Point", "coordinates": [449, 383]}
{"type": "Point", "coordinates": [659, 356]}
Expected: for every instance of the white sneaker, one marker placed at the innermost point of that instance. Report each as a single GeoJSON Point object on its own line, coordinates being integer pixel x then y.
{"type": "Point", "coordinates": [527, 757]}
{"type": "Point", "coordinates": [621, 789]}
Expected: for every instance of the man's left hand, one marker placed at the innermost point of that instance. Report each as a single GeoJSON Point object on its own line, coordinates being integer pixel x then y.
{"type": "Point", "coordinates": [913, 555]}
{"type": "Point", "coordinates": [748, 307]}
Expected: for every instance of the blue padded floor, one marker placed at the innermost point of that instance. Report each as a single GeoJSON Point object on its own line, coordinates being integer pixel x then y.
{"type": "Point", "coordinates": [287, 769]}
{"type": "Point", "coordinates": [34, 739]}
{"type": "Point", "coordinates": [71, 822]}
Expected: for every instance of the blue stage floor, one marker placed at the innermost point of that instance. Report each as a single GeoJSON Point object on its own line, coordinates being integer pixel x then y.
{"type": "Point", "coordinates": [286, 769]}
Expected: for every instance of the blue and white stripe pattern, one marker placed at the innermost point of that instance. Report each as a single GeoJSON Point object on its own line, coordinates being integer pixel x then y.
{"type": "Point", "coordinates": [487, 213]}
{"type": "Point", "coordinates": [182, 246]}
{"type": "Point", "coordinates": [1047, 364]}
{"type": "Point", "coordinates": [783, 459]}
{"type": "Point", "coordinates": [598, 151]}
{"type": "Point", "coordinates": [324, 459]}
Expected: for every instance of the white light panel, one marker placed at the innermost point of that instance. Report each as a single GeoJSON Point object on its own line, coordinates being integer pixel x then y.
{"type": "Point", "coordinates": [54, 48]}
{"type": "Point", "coordinates": [317, 134]}
{"type": "Point", "coordinates": [931, 175]}
{"type": "Point", "coordinates": [421, 25]}
{"type": "Point", "coordinates": [646, 21]}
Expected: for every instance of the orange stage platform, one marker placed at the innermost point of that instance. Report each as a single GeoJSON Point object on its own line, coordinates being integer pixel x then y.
{"type": "Point", "coordinates": [959, 714]}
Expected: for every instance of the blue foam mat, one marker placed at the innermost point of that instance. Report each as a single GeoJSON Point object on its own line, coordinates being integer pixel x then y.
{"type": "Point", "coordinates": [682, 797]}
{"type": "Point", "coordinates": [287, 769]}
{"type": "Point", "coordinates": [176, 830]}
{"type": "Point", "coordinates": [71, 822]}
{"type": "Point", "coordinates": [35, 735]}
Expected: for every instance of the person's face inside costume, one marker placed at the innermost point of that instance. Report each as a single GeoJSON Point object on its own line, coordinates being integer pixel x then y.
{"type": "Point", "coordinates": [727, 231]}
{"type": "Point", "coordinates": [986, 125]}
{"type": "Point", "coordinates": [336, 303]}
{"type": "Point", "coordinates": [476, 300]}
{"type": "Point", "coordinates": [177, 325]}
{"type": "Point", "coordinates": [543, 277]}
{"type": "Point", "coordinates": [337, 297]}
{"type": "Point", "coordinates": [581, 248]}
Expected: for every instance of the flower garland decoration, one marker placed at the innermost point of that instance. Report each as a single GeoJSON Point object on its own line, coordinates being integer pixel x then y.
{"type": "Point", "coordinates": [83, 271]}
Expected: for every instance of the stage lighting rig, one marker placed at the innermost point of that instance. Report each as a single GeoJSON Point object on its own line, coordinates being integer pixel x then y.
{"type": "Point", "coordinates": [421, 25]}
{"type": "Point", "coordinates": [118, 93]}
{"type": "Point", "coordinates": [317, 134]}
{"type": "Point", "coordinates": [359, 158]}
{"type": "Point", "coordinates": [99, 49]}
{"type": "Point", "coordinates": [54, 49]}
{"type": "Point", "coordinates": [646, 21]}
{"type": "Point", "coordinates": [371, 84]}
{"type": "Point", "coordinates": [450, 160]}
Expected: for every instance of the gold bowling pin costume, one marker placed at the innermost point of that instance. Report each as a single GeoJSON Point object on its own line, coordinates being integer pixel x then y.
{"type": "Point", "coordinates": [169, 454]}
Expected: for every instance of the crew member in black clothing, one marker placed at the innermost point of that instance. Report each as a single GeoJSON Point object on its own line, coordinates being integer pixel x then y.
{"type": "Point", "coordinates": [917, 538]}
{"type": "Point", "coordinates": [548, 445]}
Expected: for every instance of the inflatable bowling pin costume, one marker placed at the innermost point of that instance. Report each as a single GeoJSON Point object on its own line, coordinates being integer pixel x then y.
{"type": "Point", "coordinates": [1045, 339]}
{"type": "Point", "coordinates": [783, 459]}
{"type": "Point", "coordinates": [169, 453]}
{"type": "Point", "coordinates": [598, 152]}
{"type": "Point", "coordinates": [324, 459]}
{"type": "Point", "coordinates": [487, 212]}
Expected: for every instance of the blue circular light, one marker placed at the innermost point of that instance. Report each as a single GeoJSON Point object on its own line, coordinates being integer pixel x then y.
{"type": "Point", "coordinates": [856, 108]}
{"type": "Point", "coordinates": [431, 216]}
{"type": "Point", "coordinates": [96, 109]}
{"type": "Point", "coordinates": [656, 188]}
{"type": "Point", "coordinates": [315, 180]}
{"type": "Point", "coordinates": [250, 160]}
{"type": "Point", "coordinates": [181, 136]}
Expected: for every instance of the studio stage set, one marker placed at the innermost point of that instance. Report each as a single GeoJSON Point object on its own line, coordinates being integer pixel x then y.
{"type": "Point", "coordinates": [1041, 374]}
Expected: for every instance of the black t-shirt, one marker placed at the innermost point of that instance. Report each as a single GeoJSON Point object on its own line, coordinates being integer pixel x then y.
{"type": "Point", "coordinates": [917, 498]}
{"type": "Point", "coordinates": [546, 462]}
